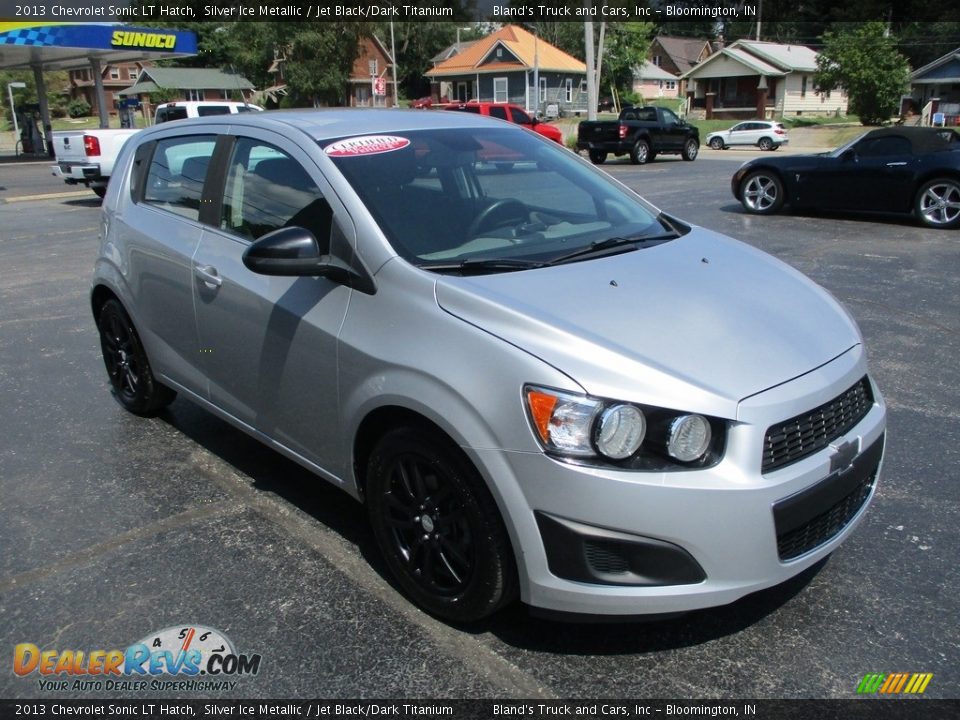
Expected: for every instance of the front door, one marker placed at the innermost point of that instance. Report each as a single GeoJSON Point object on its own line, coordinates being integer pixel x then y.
{"type": "Point", "coordinates": [269, 343]}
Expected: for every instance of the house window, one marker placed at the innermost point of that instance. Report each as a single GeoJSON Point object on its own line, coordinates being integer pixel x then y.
{"type": "Point", "coordinates": [568, 90]}
{"type": "Point", "coordinates": [657, 60]}
{"type": "Point", "coordinates": [362, 96]}
{"type": "Point", "coordinates": [195, 95]}
{"type": "Point", "coordinates": [500, 94]}
{"type": "Point", "coordinates": [543, 89]}
{"type": "Point", "coordinates": [462, 91]}
{"type": "Point", "coordinates": [803, 86]}
{"type": "Point", "coordinates": [374, 70]}
{"type": "Point", "coordinates": [671, 84]}
{"type": "Point", "coordinates": [114, 73]}
{"type": "Point", "coordinates": [131, 73]}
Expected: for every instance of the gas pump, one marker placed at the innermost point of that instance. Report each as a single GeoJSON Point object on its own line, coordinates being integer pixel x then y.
{"type": "Point", "coordinates": [31, 139]}
{"type": "Point", "coordinates": [128, 112]}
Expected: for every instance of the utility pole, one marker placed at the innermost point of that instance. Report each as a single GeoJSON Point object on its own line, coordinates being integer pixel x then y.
{"type": "Point", "coordinates": [591, 69]}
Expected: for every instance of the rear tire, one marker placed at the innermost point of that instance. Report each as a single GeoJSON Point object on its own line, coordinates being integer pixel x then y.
{"type": "Point", "coordinates": [691, 149]}
{"type": "Point", "coordinates": [598, 157]}
{"type": "Point", "coordinates": [765, 144]}
{"type": "Point", "coordinates": [131, 379]}
{"type": "Point", "coordinates": [937, 204]}
{"type": "Point", "coordinates": [640, 152]}
{"type": "Point", "coordinates": [438, 527]}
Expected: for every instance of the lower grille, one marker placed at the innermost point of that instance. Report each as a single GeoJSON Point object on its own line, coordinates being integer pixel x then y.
{"type": "Point", "coordinates": [818, 514]}
{"type": "Point", "coordinates": [803, 435]}
{"type": "Point", "coordinates": [825, 526]}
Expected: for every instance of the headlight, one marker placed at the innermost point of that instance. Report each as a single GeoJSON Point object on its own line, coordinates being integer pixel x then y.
{"type": "Point", "coordinates": [638, 437]}
{"type": "Point", "coordinates": [620, 430]}
{"type": "Point", "coordinates": [688, 437]}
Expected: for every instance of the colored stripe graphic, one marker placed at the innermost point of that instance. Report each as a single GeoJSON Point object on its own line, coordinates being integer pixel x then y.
{"type": "Point", "coordinates": [894, 683]}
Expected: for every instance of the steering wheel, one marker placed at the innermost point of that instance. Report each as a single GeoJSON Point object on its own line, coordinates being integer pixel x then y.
{"type": "Point", "coordinates": [497, 214]}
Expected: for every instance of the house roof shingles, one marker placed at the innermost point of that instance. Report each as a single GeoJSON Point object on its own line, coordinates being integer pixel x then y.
{"type": "Point", "coordinates": [523, 45]}
{"type": "Point", "coordinates": [186, 79]}
{"type": "Point", "coordinates": [685, 52]}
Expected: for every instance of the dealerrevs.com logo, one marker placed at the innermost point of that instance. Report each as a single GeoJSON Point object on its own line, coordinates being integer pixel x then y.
{"type": "Point", "coordinates": [176, 659]}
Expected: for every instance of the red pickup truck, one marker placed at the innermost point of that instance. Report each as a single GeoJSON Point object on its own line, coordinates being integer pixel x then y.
{"type": "Point", "coordinates": [512, 113]}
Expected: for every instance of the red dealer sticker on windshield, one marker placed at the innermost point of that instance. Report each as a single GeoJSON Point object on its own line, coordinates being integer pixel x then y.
{"type": "Point", "coordinates": [366, 145]}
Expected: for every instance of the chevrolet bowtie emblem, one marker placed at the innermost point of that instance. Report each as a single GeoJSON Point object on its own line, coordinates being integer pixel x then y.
{"type": "Point", "coordinates": [844, 455]}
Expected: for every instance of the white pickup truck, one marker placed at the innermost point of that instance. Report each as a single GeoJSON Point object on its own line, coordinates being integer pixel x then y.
{"type": "Point", "coordinates": [87, 156]}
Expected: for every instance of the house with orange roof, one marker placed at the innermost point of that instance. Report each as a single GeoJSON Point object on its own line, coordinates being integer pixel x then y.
{"type": "Point", "coordinates": [513, 65]}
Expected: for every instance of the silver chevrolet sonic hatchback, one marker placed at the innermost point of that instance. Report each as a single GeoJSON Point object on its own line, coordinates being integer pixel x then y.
{"type": "Point", "coordinates": [539, 384]}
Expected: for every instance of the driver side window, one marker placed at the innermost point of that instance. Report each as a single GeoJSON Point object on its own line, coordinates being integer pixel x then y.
{"type": "Point", "coordinates": [267, 189]}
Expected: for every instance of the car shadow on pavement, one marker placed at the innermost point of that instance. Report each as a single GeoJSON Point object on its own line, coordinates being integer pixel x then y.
{"type": "Point", "coordinates": [92, 201]}
{"type": "Point", "coordinates": [518, 627]}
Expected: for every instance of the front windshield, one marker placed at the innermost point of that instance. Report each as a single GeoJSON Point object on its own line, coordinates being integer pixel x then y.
{"type": "Point", "coordinates": [459, 195]}
{"type": "Point", "coordinates": [846, 146]}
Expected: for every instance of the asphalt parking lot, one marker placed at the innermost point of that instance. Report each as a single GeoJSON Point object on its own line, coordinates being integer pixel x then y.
{"type": "Point", "coordinates": [116, 527]}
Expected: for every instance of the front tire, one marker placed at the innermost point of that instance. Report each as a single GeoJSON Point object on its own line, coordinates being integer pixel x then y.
{"type": "Point", "coordinates": [690, 150]}
{"type": "Point", "coordinates": [937, 204]}
{"type": "Point", "coordinates": [438, 527]}
{"type": "Point", "coordinates": [716, 143]}
{"type": "Point", "coordinates": [762, 193]}
{"type": "Point", "coordinates": [598, 157]}
{"type": "Point", "coordinates": [640, 152]}
{"type": "Point", "coordinates": [100, 190]}
{"type": "Point", "coordinates": [131, 379]}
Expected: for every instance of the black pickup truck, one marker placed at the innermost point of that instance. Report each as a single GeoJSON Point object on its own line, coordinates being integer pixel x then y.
{"type": "Point", "coordinates": [643, 132]}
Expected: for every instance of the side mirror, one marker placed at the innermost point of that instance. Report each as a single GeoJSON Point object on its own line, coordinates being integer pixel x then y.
{"type": "Point", "coordinates": [293, 252]}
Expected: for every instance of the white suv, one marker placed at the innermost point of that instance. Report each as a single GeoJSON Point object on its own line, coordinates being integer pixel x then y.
{"type": "Point", "coordinates": [183, 109]}
{"type": "Point", "coordinates": [765, 134]}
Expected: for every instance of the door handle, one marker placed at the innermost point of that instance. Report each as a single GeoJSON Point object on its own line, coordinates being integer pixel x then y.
{"type": "Point", "coordinates": [896, 164]}
{"type": "Point", "coordinates": [208, 274]}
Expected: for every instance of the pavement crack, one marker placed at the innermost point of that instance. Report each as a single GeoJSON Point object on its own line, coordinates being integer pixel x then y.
{"type": "Point", "coordinates": [92, 552]}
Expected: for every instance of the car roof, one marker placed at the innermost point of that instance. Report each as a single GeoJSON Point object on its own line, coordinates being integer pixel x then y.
{"type": "Point", "coordinates": [329, 123]}
{"type": "Point", "coordinates": [923, 139]}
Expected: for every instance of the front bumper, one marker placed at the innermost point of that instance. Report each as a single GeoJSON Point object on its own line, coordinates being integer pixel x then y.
{"type": "Point", "coordinates": [724, 519]}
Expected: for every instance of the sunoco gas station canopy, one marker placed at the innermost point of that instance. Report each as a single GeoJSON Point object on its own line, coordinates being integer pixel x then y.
{"type": "Point", "coordinates": [65, 46]}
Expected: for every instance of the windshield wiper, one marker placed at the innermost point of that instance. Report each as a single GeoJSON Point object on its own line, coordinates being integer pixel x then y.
{"type": "Point", "coordinates": [479, 266]}
{"type": "Point", "coordinates": [601, 248]}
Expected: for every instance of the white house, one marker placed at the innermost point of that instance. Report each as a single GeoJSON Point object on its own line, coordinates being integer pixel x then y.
{"type": "Point", "coordinates": [760, 79]}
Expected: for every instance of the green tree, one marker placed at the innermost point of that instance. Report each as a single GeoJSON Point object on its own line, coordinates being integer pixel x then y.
{"type": "Point", "coordinates": [625, 47]}
{"type": "Point", "coordinates": [863, 59]}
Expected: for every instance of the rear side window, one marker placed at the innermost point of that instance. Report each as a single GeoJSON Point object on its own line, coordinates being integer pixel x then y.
{"type": "Point", "coordinates": [467, 108]}
{"type": "Point", "coordinates": [177, 173]}
{"type": "Point", "coordinates": [267, 189]}
{"type": "Point", "coordinates": [205, 110]}
{"type": "Point", "coordinates": [171, 113]}
{"type": "Point", "coordinates": [498, 111]}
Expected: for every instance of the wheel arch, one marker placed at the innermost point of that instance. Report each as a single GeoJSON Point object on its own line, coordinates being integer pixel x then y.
{"type": "Point", "coordinates": [932, 174]}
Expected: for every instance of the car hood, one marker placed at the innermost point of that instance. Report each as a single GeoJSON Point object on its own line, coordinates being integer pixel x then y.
{"type": "Point", "coordinates": [703, 320]}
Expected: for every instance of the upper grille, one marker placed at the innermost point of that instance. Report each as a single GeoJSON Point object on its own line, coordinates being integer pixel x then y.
{"type": "Point", "coordinates": [805, 434]}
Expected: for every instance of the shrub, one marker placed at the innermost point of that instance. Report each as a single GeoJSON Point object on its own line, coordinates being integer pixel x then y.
{"type": "Point", "coordinates": [78, 108]}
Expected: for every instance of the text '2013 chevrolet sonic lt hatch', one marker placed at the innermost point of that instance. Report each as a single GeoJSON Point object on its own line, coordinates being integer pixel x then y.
{"type": "Point", "coordinates": [540, 385]}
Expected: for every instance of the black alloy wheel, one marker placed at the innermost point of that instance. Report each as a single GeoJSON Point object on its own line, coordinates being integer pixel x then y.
{"type": "Point", "coordinates": [438, 527]}
{"type": "Point", "coordinates": [131, 379]}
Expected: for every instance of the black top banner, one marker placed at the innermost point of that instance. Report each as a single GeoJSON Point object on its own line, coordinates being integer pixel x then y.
{"type": "Point", "coordinates": [506, 11]}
